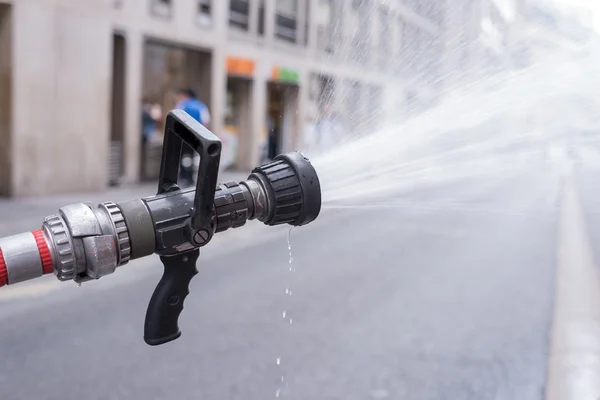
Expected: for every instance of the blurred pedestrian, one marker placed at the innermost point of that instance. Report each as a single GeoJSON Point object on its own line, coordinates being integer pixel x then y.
{"type": "Point", "coordinates": [156, 114]}
{"type": "Point", "coordinates": [151, 116]}
{"type": "Point", "coordinates": [187, 101]}
{"type": "Point", "coordinates": [149, 120]}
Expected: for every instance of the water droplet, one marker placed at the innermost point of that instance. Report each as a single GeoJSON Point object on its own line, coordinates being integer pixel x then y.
{"type": "Point", "coordinates": [78, 284]}
{"type": "Point", "coordinates": [288, 291]}
{"type": "Point", "coordinates": [289, 241]}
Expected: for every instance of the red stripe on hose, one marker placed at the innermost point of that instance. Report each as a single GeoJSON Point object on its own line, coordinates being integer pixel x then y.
{"type": "Point", "coordinates": [3, 272]}
{"type": "Point", "coordinates": [44, 251]}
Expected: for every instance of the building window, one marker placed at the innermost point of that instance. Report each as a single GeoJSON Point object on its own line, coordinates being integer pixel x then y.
{"type": "Point", "coordinates": [204, 11]}
{"type": "Point", "coordinates": [307, 23]}
{"type": "Point", "coordinates": [261, 17]}
{"type": "Point", "coordinates": [286, 27]}
{"type": "Point", "coordinates": [162, 8]}
{"type": "Point", "coordinates": [239, 11]}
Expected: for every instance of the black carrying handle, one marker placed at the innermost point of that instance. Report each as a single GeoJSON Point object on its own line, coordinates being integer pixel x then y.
{"type": "Point", "coordinates": [161, 325]}
{"type": "Point", "coordinates": [162, 318]}
{"type": "Point", "coordinates": [181, 128]}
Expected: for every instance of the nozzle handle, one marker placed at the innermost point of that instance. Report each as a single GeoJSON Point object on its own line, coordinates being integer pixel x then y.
{"type": "Point", "coordinates": [162, 317]}
{"type": "Point", "coordinates": [181, 128]}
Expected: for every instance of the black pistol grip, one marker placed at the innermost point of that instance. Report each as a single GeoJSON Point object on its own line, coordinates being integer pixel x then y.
{"type": "Point", "coordinates": [161, 325]}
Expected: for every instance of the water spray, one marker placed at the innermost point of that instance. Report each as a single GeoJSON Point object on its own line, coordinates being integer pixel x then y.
{"type": "Point", "coordinates": [83, 242]}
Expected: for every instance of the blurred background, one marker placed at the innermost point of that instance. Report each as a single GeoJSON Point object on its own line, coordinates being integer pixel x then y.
{"type": "Point", "coordinates": [473, 275]}
{"type": "Point", "coordinates": [77, 78]}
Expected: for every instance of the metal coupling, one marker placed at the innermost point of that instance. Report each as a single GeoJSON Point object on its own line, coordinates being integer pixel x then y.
{"type": "Point", "coordinates": [87, 243]}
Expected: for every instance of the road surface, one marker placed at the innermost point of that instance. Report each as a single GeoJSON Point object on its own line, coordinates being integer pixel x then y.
{"type": "Point", "coordinates": [448, 293]}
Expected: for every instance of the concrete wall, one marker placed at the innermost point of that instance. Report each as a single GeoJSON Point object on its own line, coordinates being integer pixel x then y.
{"type": "Point", "coordinates": [61, 81]}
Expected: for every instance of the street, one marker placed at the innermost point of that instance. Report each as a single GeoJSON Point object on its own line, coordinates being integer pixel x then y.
{"type": "Point", "coordinates": [447, 293]}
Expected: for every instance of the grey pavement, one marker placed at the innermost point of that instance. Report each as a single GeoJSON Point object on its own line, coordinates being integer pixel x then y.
{"type": "Point", "coordinates": [449, 295]}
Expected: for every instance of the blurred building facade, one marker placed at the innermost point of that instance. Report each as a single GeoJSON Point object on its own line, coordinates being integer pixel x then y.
{"type": "Point", "coordinates": [516, 33]}
{"type": "Point", "coordinates": [550, 27]}
{"type": "Point", "coordinates": [73, 75]}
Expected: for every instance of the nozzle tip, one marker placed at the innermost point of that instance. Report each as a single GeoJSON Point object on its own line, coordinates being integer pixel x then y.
{"type": "Point", "coordinates": [292, 189]}
{"type": "Point", "coordinates": [309, 184]}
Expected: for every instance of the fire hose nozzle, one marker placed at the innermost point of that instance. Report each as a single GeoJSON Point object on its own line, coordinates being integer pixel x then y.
{"type": "Point", "coordinates": [291, 188]}
{"type": "Point", "coordinates": [82, 242]}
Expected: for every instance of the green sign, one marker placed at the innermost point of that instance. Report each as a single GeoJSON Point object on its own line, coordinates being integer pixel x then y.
{"type": "Point", "coordinates": [286, 75]}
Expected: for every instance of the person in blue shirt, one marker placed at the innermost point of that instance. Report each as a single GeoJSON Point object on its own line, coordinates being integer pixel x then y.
{"type": "Point", "coordinates": [187, 101]}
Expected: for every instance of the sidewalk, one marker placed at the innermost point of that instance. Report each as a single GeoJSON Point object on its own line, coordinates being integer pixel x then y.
{"type": "Point", "coordinates": [25, 214]}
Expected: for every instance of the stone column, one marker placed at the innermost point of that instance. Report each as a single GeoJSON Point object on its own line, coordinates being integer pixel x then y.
{"type": "Point", "coordinates": [270, 9]}
{"type": "Point", "coordinates": [301, 16]}
{"type": "Point", "coordinates": [61, 118]}
{"type": "Point", "coordinates": [258, 106]}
